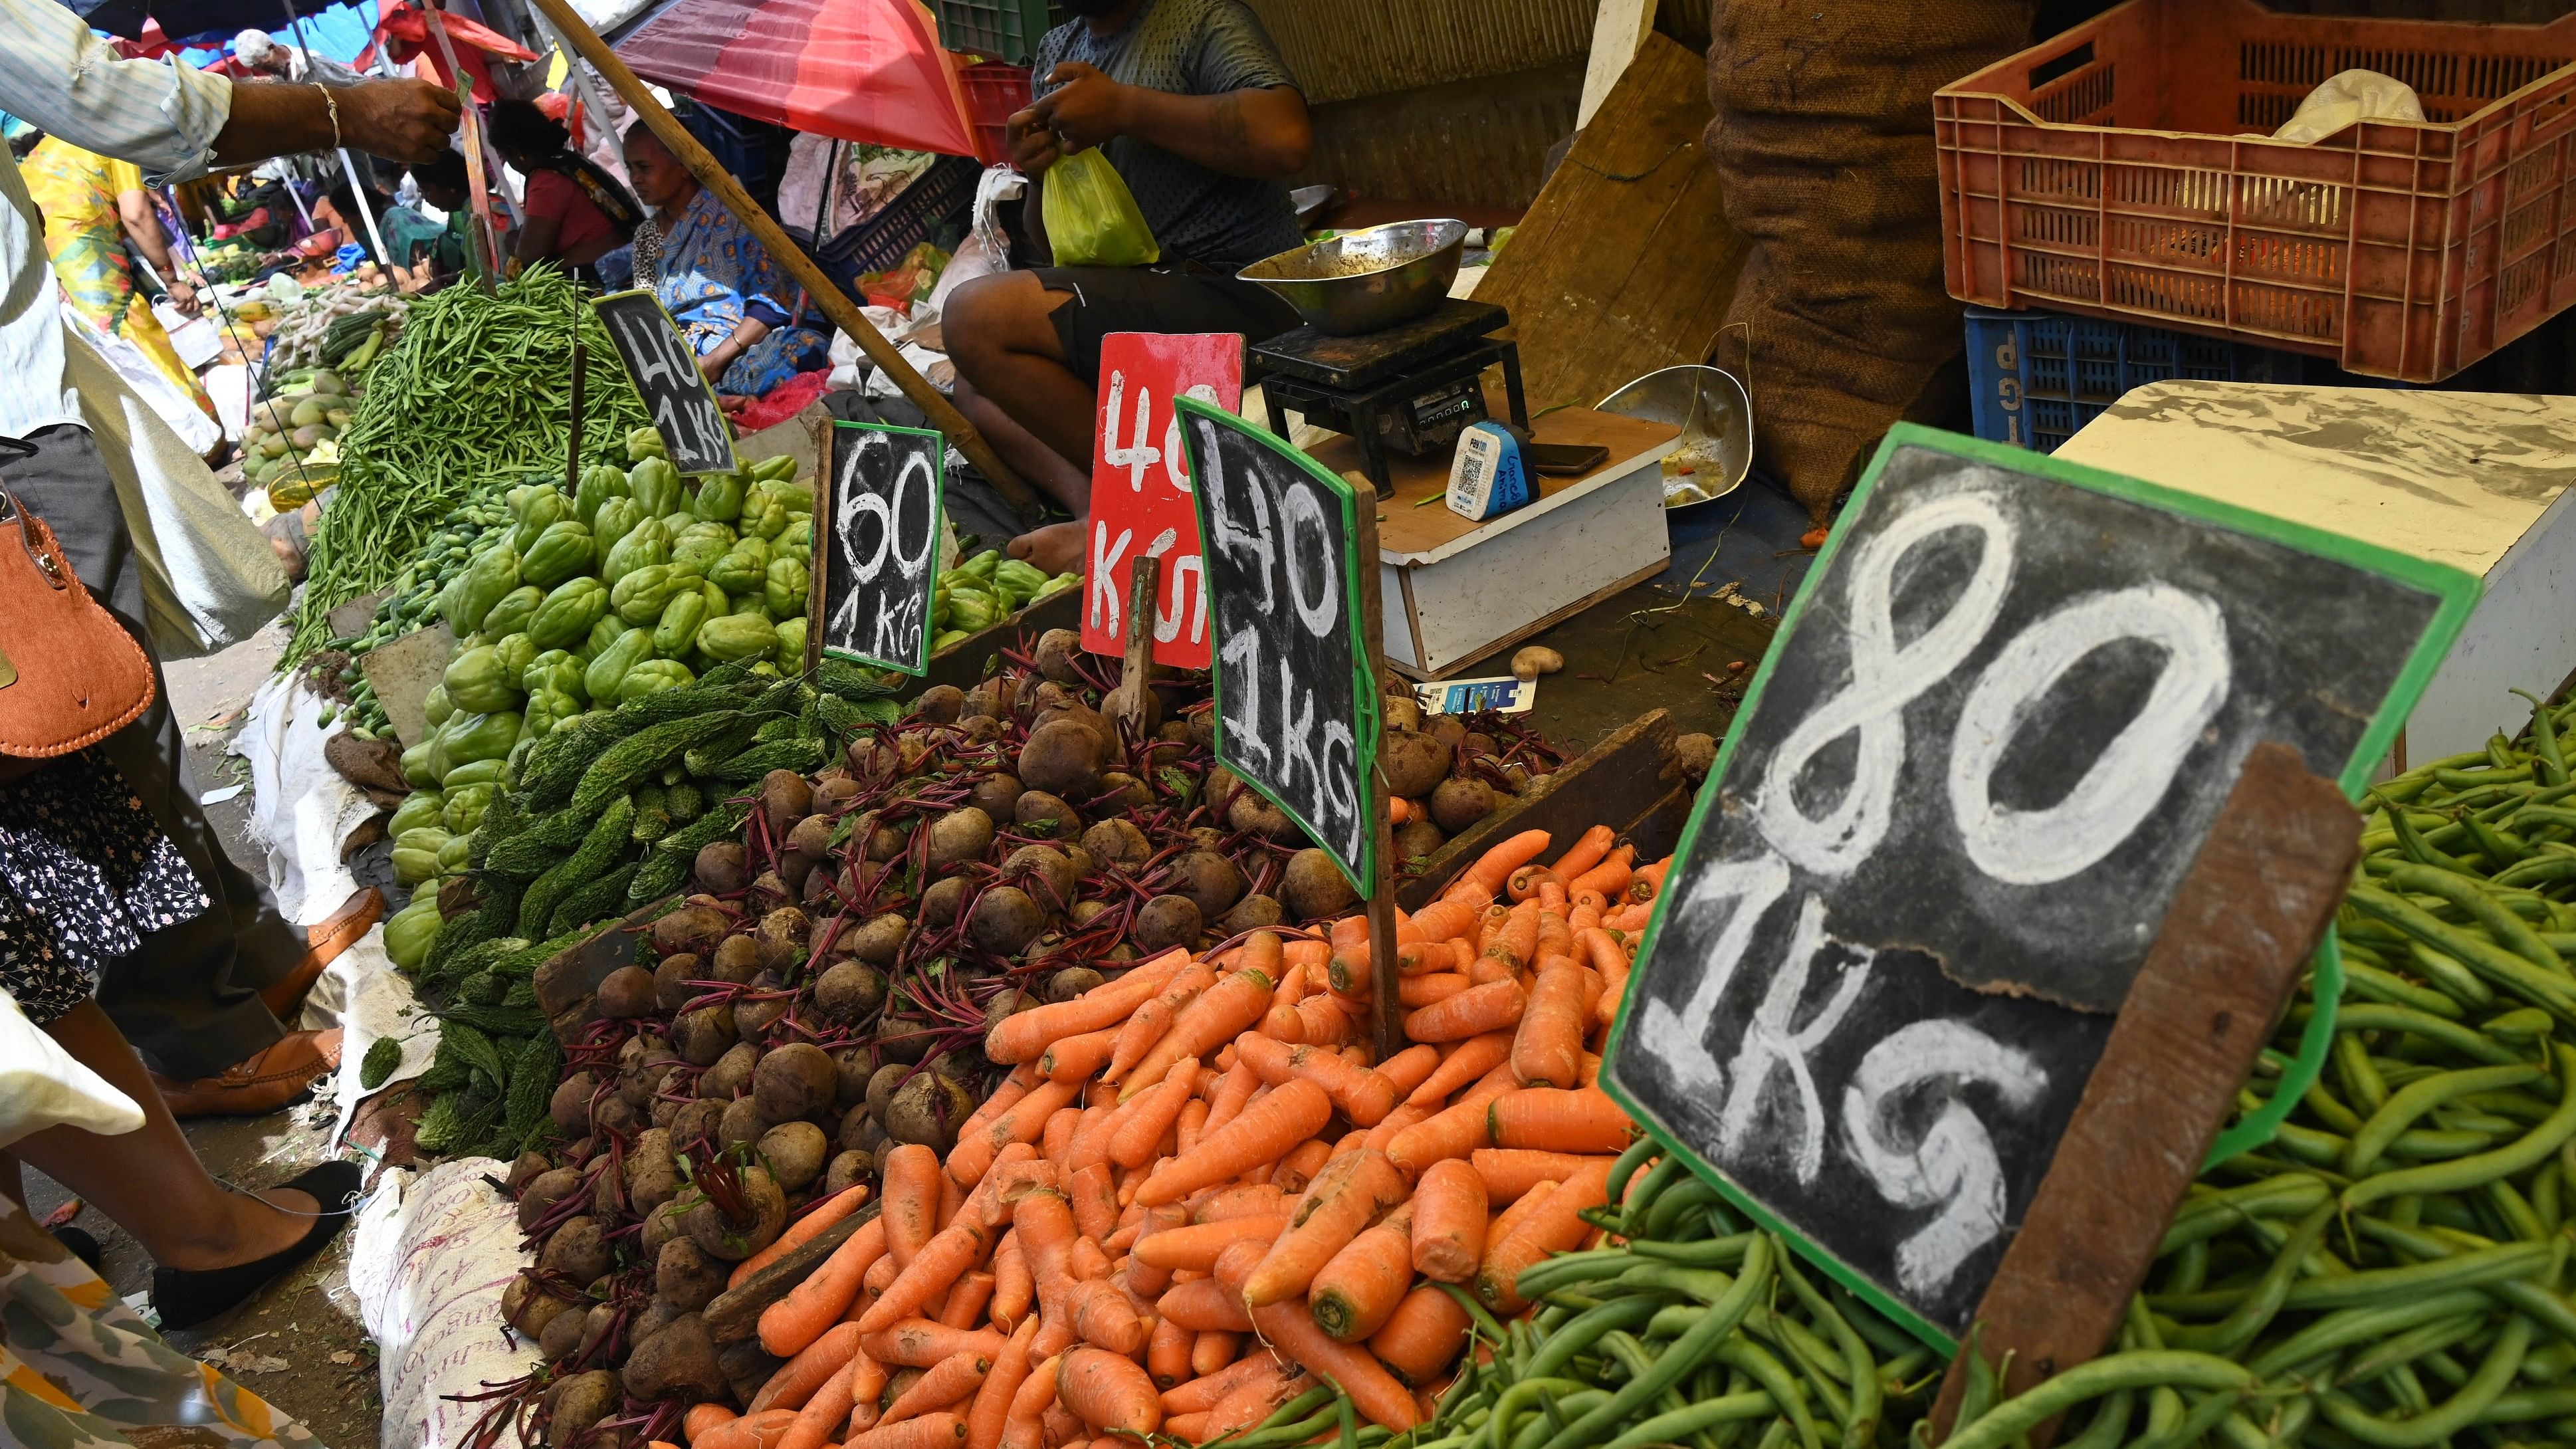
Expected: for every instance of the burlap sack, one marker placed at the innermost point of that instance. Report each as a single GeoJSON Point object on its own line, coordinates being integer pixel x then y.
{"type": "Point", "coordinates": [1823, 133]}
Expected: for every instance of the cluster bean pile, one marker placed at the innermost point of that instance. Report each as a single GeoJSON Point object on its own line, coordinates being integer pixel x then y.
{"type": "Point", "coordinates": [2390, 1271]}
{"type": "Point", "coordinates": [479, 386]}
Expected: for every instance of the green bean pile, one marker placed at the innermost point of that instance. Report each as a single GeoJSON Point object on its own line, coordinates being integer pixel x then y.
{"type": "Point", "coordinates": [479, 388]}
{"type": "Point", "coordinates": [1696, 1331]}
{"type": "Point", "coordinates": [2387, 1273]}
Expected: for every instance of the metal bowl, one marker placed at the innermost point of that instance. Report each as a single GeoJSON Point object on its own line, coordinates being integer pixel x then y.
{"type": "Point", "coordinates": [1366, 281]}
{"type": "Point", "coordinates": [1716, 418]}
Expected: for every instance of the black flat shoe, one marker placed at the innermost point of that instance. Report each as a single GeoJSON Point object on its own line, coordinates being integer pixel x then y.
{"type": "Point", "coordinates": [185, 1299]}
{"type": "Point", "coordinates": [81, 1244]}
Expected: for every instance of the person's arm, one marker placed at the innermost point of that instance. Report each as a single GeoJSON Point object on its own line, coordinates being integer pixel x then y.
{"type": "Point", "coordinates": [536, 238]}
{"type": "Point", "coordinates": [143, 228]}
{"type": "Point", "coordinates": [1254, 131]}
{"type": "Point", "coordinates": [726, 353]}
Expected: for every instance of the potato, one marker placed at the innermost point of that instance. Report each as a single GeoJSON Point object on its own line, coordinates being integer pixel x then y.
{"type": "Point", "coordinates": [570, 1105]}
{"type": "Point", "coordinates": [851, 1068]}
{"type": "Point", "coordinates": [1415, 762]}
{"type": "Point", "coordinates": [1255, 815]}
{"type": "Point", "coordinates": [542, 1192]}
{"type": "Point", "coordinates": [1071, 982]}
{"type": "Point", "coordinates": [1086, 912]}
{"type": "Point", "coordinates": [927, 1110]}
{"type": "Point", "coordinates": [657, 1315]}
{"type": "Point", "coordinates": [1059, 651]}
{"type": "Point", "coordinates": [1114, 705]}
{"type": "Point", "coordinates": [848, 1167]}
{"type": "Point", "coordinates": [785, 798]}
{"type": "Point", "coordinates": [1202, 723]}
{"type": "Point", "coordinates": [665, 1111]}
{"type": "Point", "coordinates": [881, 1088]}
{"type": "Point", "coordinates": [575, 1404]}
{"type": "Point", "coordinates": [691, 928]}
{"type": "Point", "coordinates": [905, 1041]}
{"type": "Point", "coordinates": [1477, 743]}
{"type": "Point", "coordinates": [677, 1363]}
{"type": "Point", "coordinates": [1049, 872]}
{"type": "Point", "coordinates": [670, 978]}
{"type": "Point", "coordinates": [528, 1306]}
{"type": "Point", "coordinates": [784, 938]}
{"type": "Point", "coordinates": [1697, 753]}
{"type": "Point", "coordinates": [703, 1035]}
{"type": "Point", "coordinates": [794, 1152]}
{"type": "Point", "coordinates": [1461, 802]}
{"type": "Point", "coordinates": [1165, 922]}
{"type": "Point", "coordinates": [996, 794]}
{"type": "Point", "coordinates": [628, 991]}
{"type": "Point", "coordinates": [718, 1234]}
{"type": "Point", "coordinates": [1045, 816]}
{"type": "Point", "coordinates": [1208, 879]}
{"type": "Point", "coordinates": [1400, 712]}
{"type": "Point", "coordinates": [812, 837]}
{"type": "Point", "coordinates": [742, 1121]}
{"type": "Point", "coordinates": [1448, 729]}
{"type": "Point", "coordinates": [578, 1250]}
{"type": "Point", "coordinates": [1418, 837]}
{"type": "Point", "coordinates": [884, 842]}
{"type": "Point", "coordinates": [794, 872]}
{"type": "Point", "coordinates": [652, 1174]}
{"type": "Point", "coordinates": [940, 903]}
{"type": "Point", "coordinates": [1312, 888]}
{"type": "Point", "coordinates": [880, 941]}
{"type": "Point", "coordinates": [835, 785]}
{"type": "Point", "coordinates": [1063, 757]}
{"type": "Point", "coordinates": [561, 1338]}
{"type": "Point", "coordinates": [1249, 914]}
{"type": "Point", "coordinates": [1534, 660]}
{"type": "Point", "coordinates": [768, 884]}
{"type": "Point", "coordinates": [940, 704]}
{"type": "Point", "coordinates": [1005, 921]}
{"type": "Point", "coordinates": [796, 1082]}
{"type": "Point", "coordinates": [980, 728]}
{"type": "Point", "coordinates": [964, 833]}
{"type": "Point", "coordinates": [850, 991]}
{"type": "Point", "coordinates": [686, 1278]}
{"type": "Point", "coordinates": [731, 1073]}
{"type": "Point", "coordinates": [1118, 842]}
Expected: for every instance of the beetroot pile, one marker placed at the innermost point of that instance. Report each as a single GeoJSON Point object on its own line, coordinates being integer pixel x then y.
{"type": "Point", "coordinates": [826, 990]}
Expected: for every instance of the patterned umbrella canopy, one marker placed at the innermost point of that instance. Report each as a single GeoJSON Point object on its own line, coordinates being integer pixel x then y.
{"type": "Point", "coordinates": [860, 70]}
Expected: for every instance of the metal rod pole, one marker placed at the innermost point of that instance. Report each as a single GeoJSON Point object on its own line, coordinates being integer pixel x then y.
{"type": "Point", "coordinates": [835, 305]}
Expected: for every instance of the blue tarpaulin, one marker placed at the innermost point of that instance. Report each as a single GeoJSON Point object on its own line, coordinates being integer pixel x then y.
{"type": "Point", "coordinates": [338, 32]}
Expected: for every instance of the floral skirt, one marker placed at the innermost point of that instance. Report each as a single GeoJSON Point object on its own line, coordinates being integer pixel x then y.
{"type": "Point", "coordinates": [80, 1370]}
{"type": "Point", "coordinates": [85, 875]}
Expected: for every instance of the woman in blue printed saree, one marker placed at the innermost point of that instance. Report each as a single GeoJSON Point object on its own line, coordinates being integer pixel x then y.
{"type": "Point", "coordinates": [738, 311]}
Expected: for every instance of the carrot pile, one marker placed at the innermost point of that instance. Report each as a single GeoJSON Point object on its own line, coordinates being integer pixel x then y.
{"type": "Point", "coordinates": [1198, 1193]}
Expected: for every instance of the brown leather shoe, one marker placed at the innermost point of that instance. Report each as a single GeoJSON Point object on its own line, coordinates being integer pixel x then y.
{"type": "Point", "coordinates": [259, 1086]}
{"type": "Point", "coordinates": [285, 996]}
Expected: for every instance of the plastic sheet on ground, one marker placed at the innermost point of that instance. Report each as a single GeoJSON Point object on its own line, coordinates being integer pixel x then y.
{"type": "Point", "coordinates": [303, 809]}
{"type": "Point", "coordinates": [362, 994]}
{"type": "Point", "coordinates": [432, 1252]}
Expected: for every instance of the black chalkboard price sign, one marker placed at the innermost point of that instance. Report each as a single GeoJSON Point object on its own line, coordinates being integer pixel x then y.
{"type": "Point", "coordinates": [677, 395]}
{"type": "Point", "coordinates": [1979, 759]}
{"type": "Point", "coordinates": [1296, 708]}
{"type": "Point", "coordinates": [875, 555]}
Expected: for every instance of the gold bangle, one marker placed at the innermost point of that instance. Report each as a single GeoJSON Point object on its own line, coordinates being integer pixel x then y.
{"type": "Point", "coordinates": [331, 103]}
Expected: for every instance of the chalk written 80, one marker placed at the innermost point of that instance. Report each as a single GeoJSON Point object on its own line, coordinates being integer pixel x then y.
{"type": "Point", "coordinates": [1954, 1165]}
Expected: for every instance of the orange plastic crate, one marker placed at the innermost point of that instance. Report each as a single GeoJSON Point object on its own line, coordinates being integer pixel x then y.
{"type": "Point", "coordinates": [2101, 174]}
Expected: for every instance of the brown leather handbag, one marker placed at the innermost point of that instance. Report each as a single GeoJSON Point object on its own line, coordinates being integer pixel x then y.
{"type": "Point", "coordinates": [69, 673]}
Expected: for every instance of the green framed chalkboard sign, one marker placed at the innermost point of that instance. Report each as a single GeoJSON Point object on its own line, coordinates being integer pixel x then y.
{"type": "Point", "coordinates": [1998, 721]}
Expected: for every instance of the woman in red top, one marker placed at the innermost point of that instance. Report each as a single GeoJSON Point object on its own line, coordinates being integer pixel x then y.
{"type": "Point", "coordinates": [576, 212]}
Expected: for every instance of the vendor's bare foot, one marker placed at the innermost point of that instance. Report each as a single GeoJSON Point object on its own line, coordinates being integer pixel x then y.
{"type": "Point", "coordinates": [1054, 549]}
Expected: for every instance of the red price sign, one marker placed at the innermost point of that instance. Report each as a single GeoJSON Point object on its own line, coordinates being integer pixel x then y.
{"type": "Point", "coordinates": [1140, 485]}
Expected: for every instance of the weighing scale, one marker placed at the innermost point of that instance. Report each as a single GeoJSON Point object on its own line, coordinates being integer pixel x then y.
{"type": "Point", "coordinates": [1410, 389]}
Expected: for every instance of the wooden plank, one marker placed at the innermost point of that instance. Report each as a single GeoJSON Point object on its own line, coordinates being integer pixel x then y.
{"type": "Point", "coordinates": [1618, 28]}
{"type": "Point", "coordinates": [1624, 779]}
{"type": "Point", "coordinates": [735, 1313]}
{"type": "Point", "coordinates": [403, 672]}
{"type": "Point", "coordinates": [963, 663]}
{"type": "Point", "coordinates": [570, 978]}
{"type": "Point", "coordinates": [2266, 882]}
{"type": "Point", "coordinates": [1625, 262]}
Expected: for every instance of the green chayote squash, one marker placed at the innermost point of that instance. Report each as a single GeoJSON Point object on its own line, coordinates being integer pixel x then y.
{"type": "Point", "coordinates": [488, 736]}
{"type": "Point", "coordinates": [763, 517]}
{"type": "Point", "coordinates": [783, 587]}
{"type": "Point", "coordinates": [678, 628]}
{"type": "Point", "coordinates": [514, 611]}
{"type": "Point", "coordinates": [490, 577]}
{"type": "Point", "coordinates": [743, 569]}
{"type": "Point", "coordinates": [411, 931]}
{"type": "Point", "coordinates": [565, 550]}
{"type": "Point", "coordinates": [608, 671]}
{"type": "Point", "coordinates": [639, 597]}
{"type": "Point", "coordinates": [646, 543]}
{"type": "Point", "coordinates": [616, 518]}
{"type": "Point", "coordinates": [643, 443]}
{"type": "Point", "coordinates": [655, 485]}
{"type": "Point", "coordinates": [435, 706]}
{"type": "Point", "coordinates": [516, 652]}
{"type": "Point", "coordinates": [473, 772]}
{"type": "Point", "coordinates": [652, 677]}
{"type": "Point", "coordinates": [719, 497]}
{"type": "Point", "coordinates": [737, 636]}
{"type": "Point", "coordinates": [547, 709]}
{"type": "Point", "coordinates": [465, 807]}
{"type": "Point", "coordinates": [479, 682]}
{"type": "Point", "coordinates": [543, 511]}
{"type": "Point", "coordinates": [599, 483]}
{"type": "Point", "coordinates": [554, 669]}
{"type": "Point", "coordinates": [791, 644]}
{"type": "Point", "coordinates": [419, 808]}
{"type": "Point", "coordinates": [695, 548]}
{"type": "Point", "coordinates": [568, 613]}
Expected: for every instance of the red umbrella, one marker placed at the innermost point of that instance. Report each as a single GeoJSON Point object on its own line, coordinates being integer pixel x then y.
{"type": "Point", "coordinates": [405, 34]}
{"type": "Point", "coordinates": [859, 70]}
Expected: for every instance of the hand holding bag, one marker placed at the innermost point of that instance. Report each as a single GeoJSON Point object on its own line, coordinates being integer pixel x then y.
{"type": "Point", "coordinates": [70, 675]}
{"type": "Point", "coordinates": [1091, 217]}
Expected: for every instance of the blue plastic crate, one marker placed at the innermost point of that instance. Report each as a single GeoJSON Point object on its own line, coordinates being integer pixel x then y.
{"type": "Point", "coordinates": [2036, 377]}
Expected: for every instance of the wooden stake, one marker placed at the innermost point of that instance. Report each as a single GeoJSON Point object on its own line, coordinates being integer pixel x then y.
{"type": "Point", "coordinates": [1144, 589]}
{"type": "Point", "coordinates": [843, 313]}
{"type": "Point", "coordinates": [2259, 896]}
{"type": "Point", "coordinates": [1386, 1016]}
{"type": "Point", "coordinates": [572, 429]}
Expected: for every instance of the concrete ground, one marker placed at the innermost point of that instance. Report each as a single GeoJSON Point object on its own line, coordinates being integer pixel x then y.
{"type": "Point", "coordinates": [298, 1343]}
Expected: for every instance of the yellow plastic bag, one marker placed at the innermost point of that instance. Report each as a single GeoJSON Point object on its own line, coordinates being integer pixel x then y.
{"type": "Point", "coordinates": [1091, 217]}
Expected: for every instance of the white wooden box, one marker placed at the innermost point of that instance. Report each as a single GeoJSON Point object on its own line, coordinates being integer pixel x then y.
{"type": "Point", "coordinates": [2475, 480]}
{"type": "Point", "coordinates": [1456, 590]}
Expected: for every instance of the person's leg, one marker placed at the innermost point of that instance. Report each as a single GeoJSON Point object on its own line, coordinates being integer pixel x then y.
{"type": "Point", "coordinates": [149, 1180]}
{"type": "Point", "coordinates": [1046, 470]}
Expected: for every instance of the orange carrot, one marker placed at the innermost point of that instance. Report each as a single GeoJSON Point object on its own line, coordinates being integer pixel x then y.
{"type": "Point", "coordinates": [968, 1160]}
{"type": "Point", "coordinates": [1516, 944]}
{"type": "Point", "coordinates": [967, 1299]}
{"type": "Point", "coordinates": [1648, 881]}
{"type": "Point", "coordinates": [702, 1417]}
{"type": "Point", "coordinates": [1549, 1042]}
{"type": "Point", "coordinates": [1220, 1013]}
{"type": "Point", "coordinates": [1191, 1126]}
{"type": "Point", "coordinates": [1415, 992]}
{"type": "Point", "coordinates": [1525, 882]}
{"type": "Point", "coordinates": [818, 1217]}
{"type": "Point", "coordinates": [1102, 1315]}
{"type": "Point", "coordinates": [943, 1385]}
{"type": "Point", "coordinates": [920, 1342]}
{"type": "Point", "coordinates": [911, 1174]}
{"type": "Point", "coordinates": [1508, 1173]}
{"type": "Point", "coordinates": [1070, 1059]}
{"type": "Point", "coordinates": [1064, 1428]}
{"type": "Point", "coordinates": [752, 1431]}
{"type": "Point", "coordinates": [1583, 1120]}
{"type": "Point", "coordinates": [1491, 1007]}
{"type": "Point", "coordinates": [1091, 1134]}
{"type": "Point", "coordinates": [1478, 884]}
{"type": "Point", "coordinates": [1262, 1132]}
{"type": "Point", "coordinates": [1197, 1245]}
{"type": "Point", "coordinates": [1449, 1206]}
{"type": "Point", "coordinates": [1147, 1116]}
{"type": "Point", "coordinates": [1444, 918]}
{"type": "Point", "coordinates": [1203, 1304]}
{"type": "Point", "coordinates": [1023, 1035]}
{"type": "Point", "coordinates": [1055, 1140]}
{"type": "Point", "coordinates": [1293, 1172]}
{"type": "Point", "coordinates": [1555, 1226]}
{"type": "Point", "coordinates": [798, 1378]}
{"type": "Point", "coordinates": [1326, 1021]}
{"type": "Point", "coordinates": [1021, 1425]}
{"type": "Point", "coordinates": [1153, 1018]}
{"type": "Point", "coordinates": [930, 1431]}
{"type": "Point", "coordinates": [1465, 1062]}
{"type": "Point", "coordinates": [1013, 1088]}
{"type": "Point", "coordinates": [811, 1307]}
{"type": "Point", "coordinates": [992, 1408]}
{"type": "Point", "coordinates": [1344, 1198]}
{"type": "Point", "coordinates": [1422, 1337]}
{"type": "Point", "coordinates": [1632, 919]}
{"type": "Point", "coordinates": [1094, 1195]}
{"type": "Point", "coordinates": [1167, 1353]}
{"type": "Point", "coordinates": [828, 1410]}
{"type": "Point", "coordinates": [1257, 1201]}
{"type": "Point", "coordinates": [1510, 1219]}
{"type": "Point", "coordinates": [1108, 1392]}
{"type": "Point", "coordinates": [1363, 1095]}
{"type": "Point", "coordinates": [1609, 878]}
{"type": "Point", "coordinates": [1585, 853]}
{"type": "Point", "coordinates": [1244, 1408]}
{"type": "Point", "coordinates": [1202, 1394]}
{"type": "Point", "coordinates": [1384, 1133]}
{"type": "Point", "coordinates": [1290, 1328]}
{"type": "Point", "coordinates": [958, 1247]}
{"type": "Point", "coordinates": [1410, 1068]}
{"type": "Point", "coordinates": [1358, 1288]}
{"type": "Point", "coordinates": [1211, 1349]}
{"type": "Point", "coordinates": [1227, 1098]}
{"type": "Point", "coordinates": [1455, 1131]}
{"type": "Point", "coordinates": [1013, 1288]}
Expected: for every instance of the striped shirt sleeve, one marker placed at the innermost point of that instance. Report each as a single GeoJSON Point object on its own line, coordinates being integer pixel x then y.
{"type": "Point", "coordinates": [161, 115]}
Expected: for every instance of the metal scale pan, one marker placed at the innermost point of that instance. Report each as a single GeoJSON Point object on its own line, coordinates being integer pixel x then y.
{"type": "Point", "coordinates": [1716, 419]}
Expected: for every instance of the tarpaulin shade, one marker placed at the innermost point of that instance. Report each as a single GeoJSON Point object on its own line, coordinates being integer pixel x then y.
{"type": "Point", "coordinates": [859, 70]}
